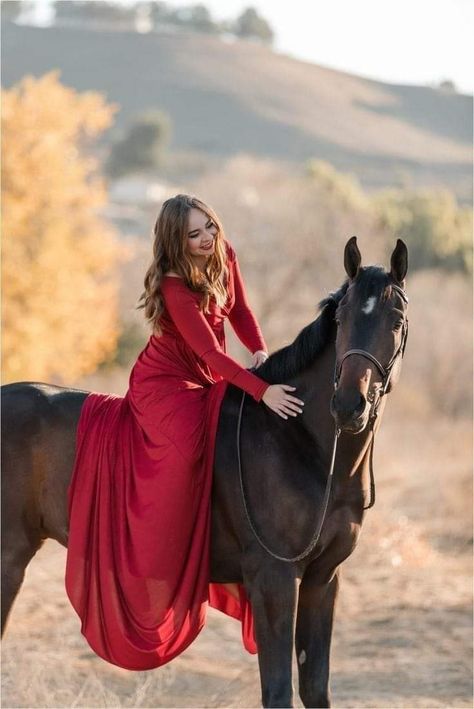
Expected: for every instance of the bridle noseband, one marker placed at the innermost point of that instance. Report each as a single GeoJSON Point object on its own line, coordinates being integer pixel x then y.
{"type": "Point", "coordinates": [374, 401]}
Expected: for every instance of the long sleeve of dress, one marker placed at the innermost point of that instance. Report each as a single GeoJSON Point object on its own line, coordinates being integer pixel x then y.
{"type": "Point", "coordinates": [241, 316]}
{"type": "Point", "coordinates": [196, 331]}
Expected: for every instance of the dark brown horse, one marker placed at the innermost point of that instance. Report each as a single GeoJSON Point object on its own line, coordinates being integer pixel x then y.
{"type": "Point", "coordinates": [284, 518]}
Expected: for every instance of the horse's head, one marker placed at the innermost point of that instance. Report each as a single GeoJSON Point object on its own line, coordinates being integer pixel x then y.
{"type": "Point", "coordinates": [372, 328]}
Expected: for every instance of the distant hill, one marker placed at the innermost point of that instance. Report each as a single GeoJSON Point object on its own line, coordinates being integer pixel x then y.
{"type": "Point", "coordinates": [225, 98]}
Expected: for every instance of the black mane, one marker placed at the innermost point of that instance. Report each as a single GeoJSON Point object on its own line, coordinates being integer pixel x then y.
{"type": "Point", "coordinates": [294, 358]}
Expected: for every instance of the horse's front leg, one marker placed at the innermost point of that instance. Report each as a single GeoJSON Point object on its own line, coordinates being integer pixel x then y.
{"type": "Point", "coordinates": [313, 638]}
{"type": "Point", "coordinates": [273, 589]}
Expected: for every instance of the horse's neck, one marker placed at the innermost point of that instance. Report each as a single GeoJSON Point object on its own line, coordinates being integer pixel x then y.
{"type": "Point", "coordinates": [316, 387]}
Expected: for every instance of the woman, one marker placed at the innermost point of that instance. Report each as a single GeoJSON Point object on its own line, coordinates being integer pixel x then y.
{"type": "Point", "coordinates": [138, 567]}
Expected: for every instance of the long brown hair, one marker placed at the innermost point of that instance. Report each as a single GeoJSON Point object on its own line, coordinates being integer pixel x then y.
{"type": "Point", "coordinates": [170, 253]}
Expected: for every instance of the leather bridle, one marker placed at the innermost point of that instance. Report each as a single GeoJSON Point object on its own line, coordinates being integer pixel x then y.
{"type": "Point", "coordinates": [384, 371]}
{"type": "Point", "coordinates": [376, 397]}
{"type": "Point", "coordinates": [374, 400]}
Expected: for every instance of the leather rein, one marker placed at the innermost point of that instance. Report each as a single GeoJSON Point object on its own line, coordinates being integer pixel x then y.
{"type": "Point", "coordinates": [375, 400]}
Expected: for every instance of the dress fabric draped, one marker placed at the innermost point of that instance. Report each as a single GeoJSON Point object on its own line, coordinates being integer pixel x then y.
{"type": "Point", "coordinates": [137, 570]}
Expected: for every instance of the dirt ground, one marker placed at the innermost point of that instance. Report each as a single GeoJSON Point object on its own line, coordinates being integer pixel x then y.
{"type": "Point", "coordinates": [403, 628]}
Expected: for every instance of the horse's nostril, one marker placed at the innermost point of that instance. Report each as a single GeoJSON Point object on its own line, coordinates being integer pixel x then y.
{"type": "Point", "coordinates": [349, 404]}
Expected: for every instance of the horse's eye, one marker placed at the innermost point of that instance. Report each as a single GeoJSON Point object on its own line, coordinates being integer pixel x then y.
{"type": "Point", "coordinates": [398, 325]}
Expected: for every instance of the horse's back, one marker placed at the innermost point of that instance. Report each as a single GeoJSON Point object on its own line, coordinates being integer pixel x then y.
{"type": "Point", "coordinates": [39, 423]}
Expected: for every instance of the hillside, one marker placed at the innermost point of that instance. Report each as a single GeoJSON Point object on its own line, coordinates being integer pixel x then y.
{"type": "Point", "coordinates": [225, 98]}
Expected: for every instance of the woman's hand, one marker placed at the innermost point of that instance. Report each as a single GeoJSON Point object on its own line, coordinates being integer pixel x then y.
{"type": "Point", "coordinates": [276, 398]}
{"type": "Point", "coordinates": [259, 358]}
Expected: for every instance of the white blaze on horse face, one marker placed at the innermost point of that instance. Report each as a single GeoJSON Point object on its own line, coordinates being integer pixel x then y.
{"type": "Point", "coordinates": [302, 657]}
{"type": "Point", "coordinates": [370, 305]}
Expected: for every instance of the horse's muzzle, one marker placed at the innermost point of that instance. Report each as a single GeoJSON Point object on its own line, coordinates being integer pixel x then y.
{"type": "Point", "coordinates": [350, 410]}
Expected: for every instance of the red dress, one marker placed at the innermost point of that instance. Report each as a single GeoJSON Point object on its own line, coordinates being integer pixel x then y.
{"type": "Point", "coordinates": [137, 569]}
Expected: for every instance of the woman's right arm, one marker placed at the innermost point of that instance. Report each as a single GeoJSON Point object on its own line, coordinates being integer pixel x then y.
{"type": "Point", "coordinates": [196, 331]}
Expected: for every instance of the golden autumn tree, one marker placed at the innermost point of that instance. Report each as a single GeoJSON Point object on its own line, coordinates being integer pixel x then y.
{"type": "Point", "coordinates": [59, 257]}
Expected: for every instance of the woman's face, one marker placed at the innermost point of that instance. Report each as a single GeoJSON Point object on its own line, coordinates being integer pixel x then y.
{"type": "Point", "coordinates": [202, 234]}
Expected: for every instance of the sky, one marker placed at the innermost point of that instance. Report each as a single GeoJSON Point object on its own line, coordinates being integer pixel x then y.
{"type": "Point", "coordinates": [398, 41]}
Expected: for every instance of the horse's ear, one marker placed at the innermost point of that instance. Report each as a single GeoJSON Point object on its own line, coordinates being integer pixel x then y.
{"type": "Point", "coordinates": [399, 262]}
{"type": "Point", "coordinates": [352, 258]}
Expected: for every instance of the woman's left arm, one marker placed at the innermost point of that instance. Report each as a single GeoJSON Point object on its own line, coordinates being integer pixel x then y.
{"type": "Point", "coordinates": [243, 320]}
